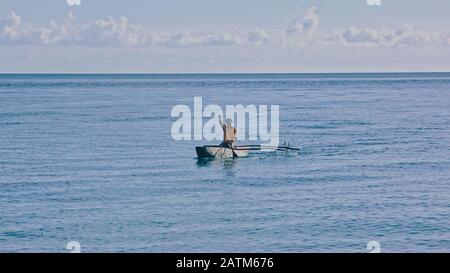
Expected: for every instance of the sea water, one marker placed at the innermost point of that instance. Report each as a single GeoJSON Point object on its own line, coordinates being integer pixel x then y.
{"type": "Point", "coordinates": [90, 158]}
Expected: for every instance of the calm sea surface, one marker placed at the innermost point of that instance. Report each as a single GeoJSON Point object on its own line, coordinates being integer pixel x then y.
{"type": "Point", "coordinates": [90, 158]}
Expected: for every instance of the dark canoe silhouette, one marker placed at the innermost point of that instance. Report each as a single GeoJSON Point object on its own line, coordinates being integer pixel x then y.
{"type": "Point", "coordinates": [219, 152]}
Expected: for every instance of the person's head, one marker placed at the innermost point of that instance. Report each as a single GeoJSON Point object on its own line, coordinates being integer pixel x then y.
{"type": "Point", "coordinates": [229, 122]}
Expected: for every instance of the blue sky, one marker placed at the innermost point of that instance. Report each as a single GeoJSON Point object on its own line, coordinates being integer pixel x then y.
{"type": "Point", "coordinates": [224, 36]}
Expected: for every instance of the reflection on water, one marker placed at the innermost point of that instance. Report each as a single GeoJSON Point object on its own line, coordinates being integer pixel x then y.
{"type": "Point", "coordinates": [204, 162]}
{"type": "Point", "coordinates": [227, 163]}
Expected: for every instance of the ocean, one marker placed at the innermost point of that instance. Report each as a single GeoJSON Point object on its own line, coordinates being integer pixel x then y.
{"type": "Point", "coordinates": [91, 159]}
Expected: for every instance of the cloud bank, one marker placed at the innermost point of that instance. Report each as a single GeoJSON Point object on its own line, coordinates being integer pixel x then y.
{"type": "Point", "coordinates": [111, 32]}
{"type": "Point", "coordinates": [119, 32]}
{"type": "Point", "coordinates": [405, 36]}
{"type": "Point", "coordinates": [305, 31]}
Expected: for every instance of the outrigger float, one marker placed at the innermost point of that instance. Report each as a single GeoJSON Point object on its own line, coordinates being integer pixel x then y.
{"type": "Point", "coordinates": [215, 151]}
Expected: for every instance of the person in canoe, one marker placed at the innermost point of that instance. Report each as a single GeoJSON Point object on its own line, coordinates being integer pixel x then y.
{"type": "Point", "coordinates": [229, 134]}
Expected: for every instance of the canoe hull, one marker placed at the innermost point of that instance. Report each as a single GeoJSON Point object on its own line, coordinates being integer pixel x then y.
{"type": "Point", "coordinates": [218, 152]}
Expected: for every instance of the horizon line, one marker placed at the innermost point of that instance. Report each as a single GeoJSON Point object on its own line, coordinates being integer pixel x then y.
{"type": "Point", "coordinates": [215, 73]}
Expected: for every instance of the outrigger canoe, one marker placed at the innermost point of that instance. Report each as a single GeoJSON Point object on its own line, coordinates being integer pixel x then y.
{"type": "Point", "coordinates": [211, 151]}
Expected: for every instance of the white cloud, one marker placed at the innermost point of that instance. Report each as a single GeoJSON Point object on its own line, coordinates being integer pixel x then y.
{"type": "Point", "coordinates": [73, 2]}
{"type": "Point", "coordinates": [384, 37]}
{"type": "Point", "coordinates": [14, 31]}
{"type": "Point", "coordinates": [109, 32]}
{"type": "Point", "coordinates": [11, 29]}
{"type": "Point", "coordinates": [308, 24]}
{"type": "Point", "coordinates": [258, 37]}
{"type": "Point", "coordinates": [187, 39]}
{"type": "Point", "coordinates": [446, 39]}
{"type": "Point", "coordinates": [354, 35]}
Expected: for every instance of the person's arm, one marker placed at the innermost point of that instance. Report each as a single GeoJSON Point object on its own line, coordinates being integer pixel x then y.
{"type": "Point", "coordinates": [221, 122]}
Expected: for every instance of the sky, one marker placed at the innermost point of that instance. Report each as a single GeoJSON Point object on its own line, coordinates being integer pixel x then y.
{"type": "Point", "coordinates": [211, 36]}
